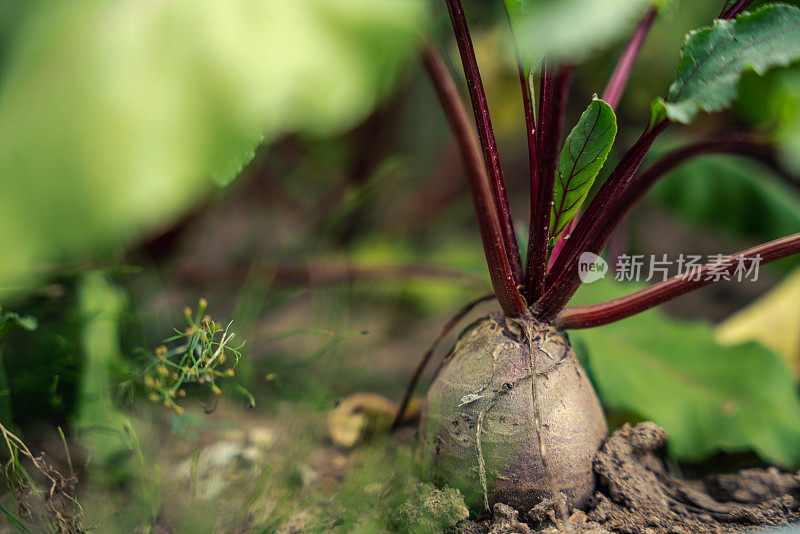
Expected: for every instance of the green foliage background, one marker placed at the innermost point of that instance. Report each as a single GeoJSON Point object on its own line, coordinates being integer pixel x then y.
{"type": "Point", "coordinates": [115, 116]}
{"type": "Point", "coordinates": [119, 116]}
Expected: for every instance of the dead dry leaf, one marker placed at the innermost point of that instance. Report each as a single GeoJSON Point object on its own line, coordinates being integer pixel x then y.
{"type": "Point", "coordinates": [358, 415]}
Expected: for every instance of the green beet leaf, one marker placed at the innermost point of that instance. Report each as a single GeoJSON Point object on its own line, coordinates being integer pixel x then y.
{"type": "Point", "coordinates": [708, 397]}
{"type": "Point", "coordinates": [714, 59]}
{"type": "Point", "coordinates": [584, 153]}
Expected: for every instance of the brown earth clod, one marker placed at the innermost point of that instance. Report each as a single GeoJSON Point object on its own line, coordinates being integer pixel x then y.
{"type": "Point", "coordinates": [636, 495]}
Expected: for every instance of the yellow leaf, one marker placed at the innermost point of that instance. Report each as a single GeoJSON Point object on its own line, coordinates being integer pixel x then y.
{"type": "Point", "coordinates": [773, 320]}
{"type": "Point", "coordinates": [362, 414]}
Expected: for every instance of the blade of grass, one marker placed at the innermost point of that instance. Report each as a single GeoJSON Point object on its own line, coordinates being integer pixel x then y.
{"type": "Point", "coordinates": [66, 452]}
{"type": "Point", "coordinates": [15, 522]}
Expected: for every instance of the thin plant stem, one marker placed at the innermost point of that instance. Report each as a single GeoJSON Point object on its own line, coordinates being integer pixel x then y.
{"type": "Point", "coordinates": [619, 78]}
{"type": "Point", "coordinates": [480, 108]}
{"type": "Point", "coordinates": [426, 358]}
{"type": "Point", "coordinates": [563, 278]}
{"type": "Point", "coordinates": [531, 134]}
{"type": "Point", "coordinates": [734, 10]}
{"type": "Point", "coordinates": [503, 280]}
{"type": "Point", "coordinates": [741, 144]}
{"type": "Point", "coordinates": [614, 310]}
{"type": "Point", "coordinates": [554, 90]}
{"type": "Point", "coordinates": [744, 145]}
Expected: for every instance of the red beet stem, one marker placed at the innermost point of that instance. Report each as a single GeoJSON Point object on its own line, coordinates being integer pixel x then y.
{"type": "Point", "coordinates": [500, 270]}
{"type": "Point", "coordinates": [619, 78]}
{"type": "Point", "coordinates": [614, 310]}
{"type": "Point", "coordinates": [491, 157]}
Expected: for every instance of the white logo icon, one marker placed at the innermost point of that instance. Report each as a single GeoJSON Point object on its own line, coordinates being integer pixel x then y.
{"type": "Point", "coordinates": [591, 268]}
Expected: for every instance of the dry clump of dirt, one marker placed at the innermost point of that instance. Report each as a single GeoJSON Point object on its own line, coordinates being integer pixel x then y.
{"type": "Point", "coordinates": [636, 495]}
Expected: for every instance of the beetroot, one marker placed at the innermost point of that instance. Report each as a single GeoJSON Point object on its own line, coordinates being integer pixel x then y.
{"type": "Point", "coordinates": [487, 412]}
{"type": "Point", "coordinates": [512, 416]}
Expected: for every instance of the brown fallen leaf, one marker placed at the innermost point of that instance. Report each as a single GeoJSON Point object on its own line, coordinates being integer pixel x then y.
{"type": "Point", "coordinates": [362, 414]}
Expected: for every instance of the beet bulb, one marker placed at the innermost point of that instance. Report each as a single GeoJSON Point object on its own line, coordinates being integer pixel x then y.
{"type": "Point", "coordinates": [500, 429]}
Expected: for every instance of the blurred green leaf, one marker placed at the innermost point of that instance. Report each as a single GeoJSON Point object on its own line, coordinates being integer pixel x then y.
{"type": "Point", "coordinates": [773, 103]}
{"type": "Point", "coordinates": [713, 59]}
{"type": "Point", "coordinates": [584, 153]}
{"type": "Point", "coordinates": [9, 321]}
{"type": "Point", "coordinates": [116, 115]}
{"type": "Point", "coordinates": [570, 28]}
{"type": "Point", "coordinates": [787, 102]}
{"type": "Point", "coordinates": [738, 196]}
{"type": "Point", "coordinates": [708, 397]}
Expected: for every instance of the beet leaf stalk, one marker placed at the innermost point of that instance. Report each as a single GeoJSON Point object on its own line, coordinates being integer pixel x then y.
{"type": "Point", "coordinates": [525, 82]}
{"type": "Point", "coordinates": [614, 310]}
{"type": "Point", "coordinates": [619, 78]}
{"type": "Point", "coordinates": [622, 205]}
{"type": "Point", "coordinates": [553, 93]}
{"type": "Point", "coordinates": [501, 272]}
{"type": "Point", "coordinates": [611, 95]}
{"type": "Point", "coordinates": [712, 61]}
{"type": "Point", "coordinates": [483, 121]}
{"type": "Point", "coordinates": [733, 8]}
{"type": "Point", "coordinates": [534, 280]}
{"type": "Point", "coordinates": [563, 280]}
{"type": "Point", "coordinates": [742, 145]}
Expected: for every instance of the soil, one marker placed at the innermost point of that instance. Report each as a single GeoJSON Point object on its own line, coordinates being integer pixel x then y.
{"type": "Point", "coordinates": [636, 495]}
